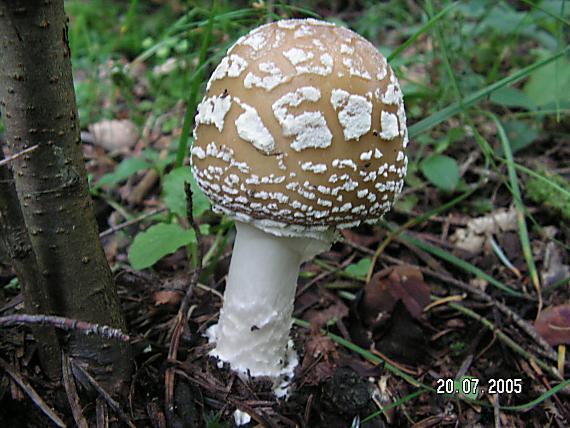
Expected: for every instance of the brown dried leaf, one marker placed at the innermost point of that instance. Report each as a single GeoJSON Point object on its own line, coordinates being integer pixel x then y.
{"type": "Point", "coordinates": [166, 297]}
{"type": "Point", "coordinates": [554, 324]}
{"type": "Point", "coordinates": [386, 288]}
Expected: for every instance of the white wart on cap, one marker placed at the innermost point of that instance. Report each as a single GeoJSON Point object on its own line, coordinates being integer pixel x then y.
{"type": "Point", "coordinates": [302, 130]}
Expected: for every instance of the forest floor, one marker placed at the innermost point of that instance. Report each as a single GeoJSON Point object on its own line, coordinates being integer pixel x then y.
{"type": "Point", "coordinates": [470, 271]}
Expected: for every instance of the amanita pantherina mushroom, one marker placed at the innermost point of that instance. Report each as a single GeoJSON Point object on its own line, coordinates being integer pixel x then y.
{"type": "Point", "coordinates": [302, 132]}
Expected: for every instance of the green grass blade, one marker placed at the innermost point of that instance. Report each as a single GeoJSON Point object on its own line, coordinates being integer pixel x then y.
{"type": "Point", "coordinates": [537, 401]}
{"type": "Point", "coordinates": [454, 108]}
{"type": "Point", "coordinates": [519, 206]}
{"type": "Point", "coordinates": [394, 404]}
{"type": "Point", "coordinates": [421, 31]}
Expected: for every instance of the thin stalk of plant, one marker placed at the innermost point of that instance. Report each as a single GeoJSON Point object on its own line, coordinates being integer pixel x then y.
{"type": "Point", "coordinates": [520, 209]}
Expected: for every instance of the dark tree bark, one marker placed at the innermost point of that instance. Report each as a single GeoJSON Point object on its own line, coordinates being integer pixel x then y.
{"type": "Point", "coordinates": [37, 100]}
{"type": "Point", "coordinates": [15, 243]}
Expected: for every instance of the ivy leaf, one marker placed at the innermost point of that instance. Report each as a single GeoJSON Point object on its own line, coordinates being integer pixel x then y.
{"type": "Point", "coordinates": [156, 242]}
{"type": "Point", "coordinates": [442, 171]}
{"type": "Point", "coordinates": [174, 196]}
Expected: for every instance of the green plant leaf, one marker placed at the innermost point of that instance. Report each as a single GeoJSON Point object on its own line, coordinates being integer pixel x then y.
{"type": "Point", "coordinates": [174, 196]}
{"type": "Point", "coordinates": [442, 171]}
{"type": "Point", "coordinates": [125, 169]}
{"type": "Point", "coordinates": [360, 268]}
{"type": "Point", "coordinates": [156, 242]}
{"type": "Point", "coordinates": [511, 97]}
{"type": "Point", "coordinates": [550, 83]}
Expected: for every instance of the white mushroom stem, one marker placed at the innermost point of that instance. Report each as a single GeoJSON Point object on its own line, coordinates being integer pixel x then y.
{"type": "Point", "coordinates": [253, 332]}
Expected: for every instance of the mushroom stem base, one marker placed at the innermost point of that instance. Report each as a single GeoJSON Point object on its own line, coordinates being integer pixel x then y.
{"type": "Point", "coordinates": [253, 332]}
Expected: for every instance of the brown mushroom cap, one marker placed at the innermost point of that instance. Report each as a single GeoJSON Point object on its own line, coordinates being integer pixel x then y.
{"type": "Point", "coordinates": [302, 130]}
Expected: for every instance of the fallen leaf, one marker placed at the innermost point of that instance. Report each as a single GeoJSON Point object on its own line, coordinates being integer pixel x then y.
{"type": "Point", "coordinates": [166, 297]}
{"type": "Point", "coordinates": [553, 324]}
{"type": "Point", "coordinates": [401, 283]}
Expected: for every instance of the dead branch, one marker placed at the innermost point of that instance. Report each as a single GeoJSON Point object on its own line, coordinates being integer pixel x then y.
{"type": "Point", "coordinates": [17, 155]}
{"type": "Point", "coordinates": [66, 324]}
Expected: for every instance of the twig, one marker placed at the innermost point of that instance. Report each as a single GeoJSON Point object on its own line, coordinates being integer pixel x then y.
{"type": "Point", "coordinates": [121, 226]}
{"type": "Point", "coordinates": [28, 389]}
{"type": "Point", "coordinates": [116, 407]}
{"type": "Point", "coordinates": [17, 155]}
{"type": "Point", "coordinates": [66, 324]}
{"type": "Point", "coordinates": [71, 390]}
{"type": "Point", "coordinates": [182, 316]}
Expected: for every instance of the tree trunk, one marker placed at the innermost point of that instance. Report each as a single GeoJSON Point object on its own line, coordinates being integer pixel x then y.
{"type": "Point", "coordinates": [15, 242]}
{"type": "Point", "coordinates": [37, 99]}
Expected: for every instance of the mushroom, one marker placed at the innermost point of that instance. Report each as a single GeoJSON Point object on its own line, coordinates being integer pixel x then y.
{"type": "Point", "coordinates": [301, 133]}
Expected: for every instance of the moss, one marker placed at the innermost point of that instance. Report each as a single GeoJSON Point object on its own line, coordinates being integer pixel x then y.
{"type": "Point", "coordinates": [549, 197]}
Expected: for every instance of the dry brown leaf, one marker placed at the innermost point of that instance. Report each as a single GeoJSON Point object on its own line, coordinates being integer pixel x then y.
{"type": "Point", "coordinates": [166, 297]}
{"type": "Point", "coordinates": [554, 324]}
{"type": "Point", "coordinates": [401, 283]}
